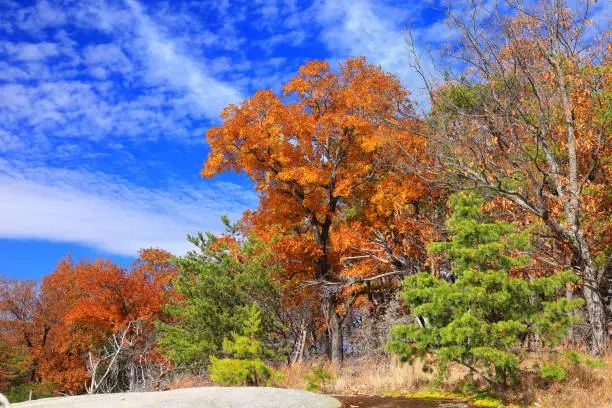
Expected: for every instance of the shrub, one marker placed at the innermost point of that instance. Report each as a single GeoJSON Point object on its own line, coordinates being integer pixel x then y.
{"type": "Point", "coordinates": [246, 366]}
{"type": "Point", "coordinates": [19, 393]}
{"type": "Point", "coordinates": [595, 363]}
{"type": "Point", "coordinates": [231, 371]}
{"type": "Point", "coordinates": [317, 379]}
{"type": "Point", "coordinates": [573, 359]}
{"type": "Point", "coordinates": [567, 362]}
{"type": "Point", "coordinates": [552, 372]}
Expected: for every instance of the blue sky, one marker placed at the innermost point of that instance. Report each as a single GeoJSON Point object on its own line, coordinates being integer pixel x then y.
{"type": "Point", "coordinates": [104, 106]}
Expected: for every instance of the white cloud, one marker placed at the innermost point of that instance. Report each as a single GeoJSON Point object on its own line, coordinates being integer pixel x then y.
{"type": "Point", "coordinates": [167, 64]}
{"type": "Point", "coordinates": [139, 80]}
{"type": "Point", "coordinates": [291, 38]}
{"type": "Point", "coordinates": [110, 213]}
{"type": "Point", "coordinates": [92, 111]}
{"type": "Point", "coordinates": [376, 30]}
{"type": "Point", "coordinates": [99, 72]}
{"type": "Point", "coordinates": [9, 141]}
{"type": "Point", "coordinates": [107, 57]}
{"type": "Point", "coordinates": [29, 51]}
{"type": "Point", "coordinates": [11, 73]}
{"type": "Point", "coordinates": [42, 15]}
{"type": "Point", "coordinates": [356, 28]}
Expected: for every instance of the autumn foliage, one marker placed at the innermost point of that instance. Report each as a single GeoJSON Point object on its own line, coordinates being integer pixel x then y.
{"type": "Point", "coordinates": [52, 327]}
{"type": "Point", "coordinates": [496, 203]}
{"type": "Point", "coordinates": [317, 158]}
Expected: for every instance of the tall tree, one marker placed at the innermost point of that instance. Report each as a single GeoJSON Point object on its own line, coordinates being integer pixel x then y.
{"type": "Point", "coordinates": [479, 316]}
{"type": "Point", "coordinates": [524, 112]}
{"type": "Point", "coordinates": [312, 156]}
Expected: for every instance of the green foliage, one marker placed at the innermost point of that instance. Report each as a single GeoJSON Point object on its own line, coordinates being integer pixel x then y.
{"type": "Point", "coordinates": [573, 359]}
{"type": "Point", "coordinates": [478, 399]}
{"type": "Point", "coordinates": [553, 372]}
{"type": "Point", "coordinates": [477, 241]}
{"type": "Point", "coordinates": [317, 378]}
{"type": "Point", "coordinates": [19, 393]}
{"type": "Point", "coordinates": [246, 366]}
{"type": "Point", "coordinates": [562, 363]}
{"type": "Point", "coordinates": [231, 372]}
{"type": "Point", "coordinates": [218, 283]}
{"type": "Point", "coordinates": [463, 97]}
{"type": "Point", "coordinates": [15, 364]}
{"type": "Point", "coordinates": [480, 320]}
{"type": "Point", "coordinates": [486, 402]}
{"type": "Point", "coordinates": [595, 362]}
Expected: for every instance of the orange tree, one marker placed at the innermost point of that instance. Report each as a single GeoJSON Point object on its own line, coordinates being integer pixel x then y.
{"type": "Point", "coordinates": [87, 304]}
{"type": "Point", "coordinates": [316, 160]}
{"type": "Point", "coordinates": [52, 329]}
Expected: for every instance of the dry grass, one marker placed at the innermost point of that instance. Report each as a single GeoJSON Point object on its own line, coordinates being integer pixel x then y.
{"type": "Point", "coordinates": [585, 388]}
{"type": "Point", "coordinates": [365, 377]}
{"type": "Point", "coordinates": [187, 380]}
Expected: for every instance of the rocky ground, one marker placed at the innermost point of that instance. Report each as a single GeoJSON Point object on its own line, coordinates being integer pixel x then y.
{"type": "Point", "coordinates": [205, 397]}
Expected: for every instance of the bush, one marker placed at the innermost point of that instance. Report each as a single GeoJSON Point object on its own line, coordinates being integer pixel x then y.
{"type": "Point", "coordinates": [246, 366]}
{"type": "Point", "coordinates": [231, 371]}
{"type": "Point", "coordinates": [567, 362]}
{"type": "Point", "coordinates": [553, 372]}
{"type": "Point", "coordinates": [317, 379]}
{"type": "Point", "coordinates": [595, 363]}
{"type": "Point", "coordinates": [21, 392]}
{"type": "Point", "coordinates": [573, 359]}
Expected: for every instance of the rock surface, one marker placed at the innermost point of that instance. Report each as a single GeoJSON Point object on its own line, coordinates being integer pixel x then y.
{"type": "Point", "coordinates": [204, 397]}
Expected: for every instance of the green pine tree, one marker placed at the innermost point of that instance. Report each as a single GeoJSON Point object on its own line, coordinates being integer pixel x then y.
{"type": "Point", "coordinates": [482, 319]}
{"type": "Point", "coordinates": [244, 364]}
{"type": "Point", "coordinates": [216, 288]}
{"type": "Point", "coordinates": [479, 242]}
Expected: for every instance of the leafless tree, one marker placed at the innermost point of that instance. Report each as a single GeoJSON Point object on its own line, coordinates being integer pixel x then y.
{"type": "Point", "coordinates": [127, 362]}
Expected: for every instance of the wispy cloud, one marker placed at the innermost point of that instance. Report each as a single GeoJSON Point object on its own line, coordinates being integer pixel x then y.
{"type": "Point", "coordinates": [363, 28]}
{"type": "Point", "coordinates": [96, 95]}
{"type": "Point", "coordinates": [110, 213]}
{"type": "Point", "coordinates": [9, 141]}
{"type": "Point", "coordinates": [168, 65]}
{"type": "Point", "coordinates": [374, 29]}
{"type": "Point", "coordinates": [135, 78]}
{"type": "Point", "coordinates": [29, 51]}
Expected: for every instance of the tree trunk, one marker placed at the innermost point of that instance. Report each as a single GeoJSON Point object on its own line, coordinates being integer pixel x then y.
{"type": "Point", "coordinates": [336, 338]}
{"type": "Point", "coordinates": [596, 310]}
{"type": "Point", "coordinates": [592, 280]}
{"type": "Point", "coordinates": [300, 344]}
{"type": "Point", "coordinates": [132, 375]}
{"type": "Point", "coordinates": [606, 289]}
